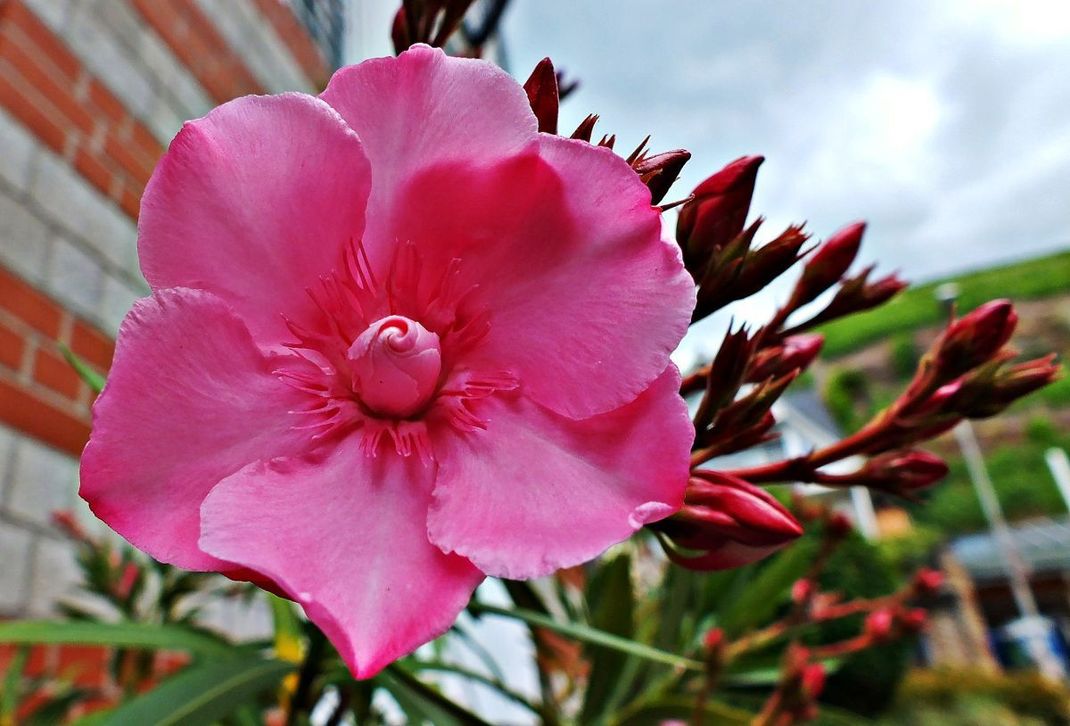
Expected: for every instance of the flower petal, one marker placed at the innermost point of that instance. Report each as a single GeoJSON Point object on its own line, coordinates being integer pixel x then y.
{"type": "Point", "coordinates": [421, 109]}
{"type": "Point", "coordinates": [586, 298]}
{"type": "Point", "coordinates": [344, 535]}
{"type": "Point", "coordinates": [254, 202]}
{"type": "Point", "coordinates": [536, 491]}
{"type": "Point", "coordinates": [189, 400]}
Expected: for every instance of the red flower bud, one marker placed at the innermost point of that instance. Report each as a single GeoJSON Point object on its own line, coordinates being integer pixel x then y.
{"type": "Point", "coordinates": [718, 212]}
{"type": "Point", "coordinates": [974, 338]}
{"type": "Point", "coordinates": [896, 472]}
{"type": "Point", "coordinates": [66, 520]}
{"type": "Point", "coordinates": [730, 520]}
{"type": "Point", "coordinates": [541, 88]}
{"type": "Point", "coordinates": [813, 680]}
{"type": "Point", "coordinates": [839, 525]}
{"type": "Point", "coordinates": [879, 624]}
{"type": "Point", "coordinates": [796, 352]}
{"type": "Point", "coordinates": [659, 171]}
{"type": "Point", "coordinates": [928, 581]}
{"type": "Point", "coordinates": [714, 639]}
{"type": "Point", "coordinates": [913, 621]}
{"type": "Point", "coordinates": [802, 590]}
{"type": "Point", "coordinates": [829, 263]}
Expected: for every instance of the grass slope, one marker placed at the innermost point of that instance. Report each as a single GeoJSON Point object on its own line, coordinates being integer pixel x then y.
{"type": "Point", "coordinates": [917, 306]}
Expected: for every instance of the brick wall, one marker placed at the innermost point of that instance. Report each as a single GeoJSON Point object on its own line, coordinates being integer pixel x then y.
{"type": "Point", "coordinates": [91, 91]}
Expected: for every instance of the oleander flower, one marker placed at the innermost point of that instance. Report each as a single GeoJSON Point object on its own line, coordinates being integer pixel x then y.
{"type": "Point", "coordinates": [397, 340]}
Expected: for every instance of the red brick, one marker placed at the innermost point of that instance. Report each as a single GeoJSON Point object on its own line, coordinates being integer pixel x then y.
{"type": "Point", "coordinates": [37, 70]}
{"type": "Point", "coordinates": [128, 160]}
{"type": "Point", "coordinates": [27, 109]}
{"type": "Point", "coordinates": [39, 33]}
{"type": "Point", "coordinates": [92, 169]}
{"type": "Point", "coordinates": [102, 98]}
{"type": "Point", "coordinates": [32, 307]}
{"type": "Point", "coordinates": [130, 201]}
{"type": "Point", "coordinates": [297, 39]}
{"type": "Point", "coordinates": [28, 413]}
{"type": "Point", "coordinates": [91, 345]}
{"type": "Point", "coordinates": [146, 143]}
{"type": "Point", "coordinates": [12, 347]}
{"type": "Point", "coordinates": [85, 665]}
{"type": "Point", "coordinates": [200, 47]}
{"type": "Point", "coordinates": [51, 370]}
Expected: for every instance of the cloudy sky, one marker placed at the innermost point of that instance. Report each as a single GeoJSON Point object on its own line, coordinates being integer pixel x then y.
{"type": "Point", "coordinates": [945, 124]}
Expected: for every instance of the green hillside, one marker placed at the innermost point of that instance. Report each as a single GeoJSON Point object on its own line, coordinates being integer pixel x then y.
{"type": "Point", "coordinates": [917, 306]}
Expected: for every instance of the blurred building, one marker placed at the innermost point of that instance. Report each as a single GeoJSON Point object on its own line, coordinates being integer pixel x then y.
{"type": "Point", "coordinates": [91, 92]}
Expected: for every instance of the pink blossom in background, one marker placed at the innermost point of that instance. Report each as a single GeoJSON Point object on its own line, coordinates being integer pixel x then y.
{"type": "Point", "coordinates": [397, 340]}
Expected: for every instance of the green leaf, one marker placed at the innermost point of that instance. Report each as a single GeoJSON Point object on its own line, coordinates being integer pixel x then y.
{"type": "Point", "coordinates": [201, 694]}
{"type": "Point", "coordinates": [489, 681]}
{"type": "Point", "coordinates": [767, 591]}
{"type": "Point", "coordinates": [92, 379]}
{"type": "Point", "coordinates": [120, 635]}
{"type": "Point", "coordinates": [612, 603]}
{"type": "Point", "coordinates": [590, 635]}
{"type": "Point", "coordinates": [682, 708]}
{"type": "Point", "coordinates": [422, 702]}
{"type": "Point", "coordinates": [9, 696]}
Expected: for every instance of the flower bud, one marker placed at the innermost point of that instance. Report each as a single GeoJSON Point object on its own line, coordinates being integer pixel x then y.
{"type": "Point", "coordinates": [659, 171]}
{"type": "Point", "coordinates": [928, 581]}
{"type": "Point", "coordinates": [542, 92]}
{"type": "Point", "coordinates": [714, 639]}
{"type": "Point", "coordinates": [838, 525]}
{"type": "Point", "coordinates": [813, 680]}
{"type": "Point", "coordinates": [974, 338]}
{"type": "Point", "coordinates": [903, 472]}
{"type": "Point", "coordinates": [795, 352]}
{"type": "Point", "coordinates": [913, 621]}
{"type": "Point", "coordinates": [718, 212]}
{"type": "Point", "coordinates": [802, 590]}
{"type": "Point", "coordinates": [730, 520]}
{"type": "Point", "coordinates": [66, 520]}
{"type": "Point", "coordinates": [879, 624]}
{"type": "Point", "coordinates": [828, 264]}
{"type": "Point", "coordinates": [395, 366]}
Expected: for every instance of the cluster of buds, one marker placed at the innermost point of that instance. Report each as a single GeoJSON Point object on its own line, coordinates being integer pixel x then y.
{"type": "Point", "coordinates": [795, 699]}
{"type": "Point", "coordinates": [427, 21]}
{"type": "Point", "coordinates": [545, 90]}
{"type": "Point", "coordinates": [727, 523]}
{"type": "Point", "coordinates": [115, 575]}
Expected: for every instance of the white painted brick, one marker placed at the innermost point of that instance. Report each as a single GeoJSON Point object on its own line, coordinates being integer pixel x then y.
{"type": "Point", "coordinates": [17, 148]}
{"type": "Point", "coordinates": [24, 239]}
{"type": "Point", "coordinates": [8, 437]}
{"type": "Point", "coordinates": [253, 38]}
{"type": "Point", "coordinates": [75, 277]}
{"type": "Point", "coordinates": [169, 75]}
{"type": "Point", "coordinates": [54, 576]}
{"type": "Point", "coordinates": [14, 565]}
{"type": "Point", "coordinates": [108, 60]}
{"type": "Point", "coordinates": [53, 12]}
{"type": "Point", "coordinates": [42, 481]}
{"type": "Point", "coordinates": [69, 200]}
{"type": "Point", "coordinates": [119, 297]}
{"type": "Point", "coordinates": [164, 121]}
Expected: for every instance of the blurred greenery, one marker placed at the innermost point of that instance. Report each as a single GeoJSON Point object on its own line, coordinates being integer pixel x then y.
{"type": "Point", "coordinates": [916, 307]}
{"type": "Point", "coordinates": [964, 697]}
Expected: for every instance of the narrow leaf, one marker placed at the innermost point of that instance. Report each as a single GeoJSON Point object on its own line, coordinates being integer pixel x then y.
{"type": "Point", "coordinates": [202, 694]}
{"type": "Point", "coordinates": [414, 695]}
{"type": "Point", "coordinates": [120, 635]}
{"type": "Point", "coordinates": [590, 635]}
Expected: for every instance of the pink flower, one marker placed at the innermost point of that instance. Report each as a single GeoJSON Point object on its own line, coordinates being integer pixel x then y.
{"type": "Point", "coordinates": [397, 340]}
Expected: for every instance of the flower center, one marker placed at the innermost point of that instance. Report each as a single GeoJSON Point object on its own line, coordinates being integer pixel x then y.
{"type": "Point", "coordinates": [395, 366]}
